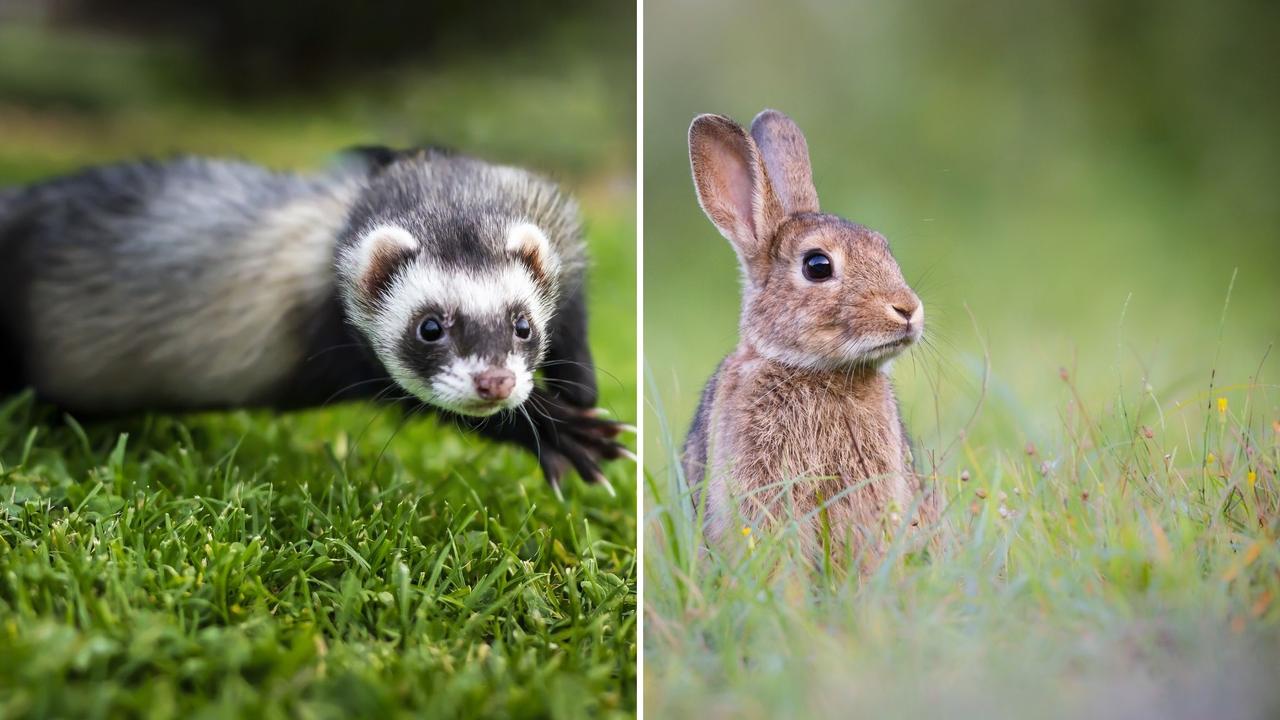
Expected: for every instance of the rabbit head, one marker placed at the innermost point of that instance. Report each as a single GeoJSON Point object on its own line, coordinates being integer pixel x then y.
{"type": "Point", "coordinates": [818, 291]}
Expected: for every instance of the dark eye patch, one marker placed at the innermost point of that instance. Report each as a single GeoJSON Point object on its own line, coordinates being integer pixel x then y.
{"type": "Point", "coordinates": [424, 357]}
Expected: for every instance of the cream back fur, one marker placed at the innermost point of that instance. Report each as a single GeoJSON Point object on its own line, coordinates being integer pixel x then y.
{"type": "Point", "coordinates": [249, 279]}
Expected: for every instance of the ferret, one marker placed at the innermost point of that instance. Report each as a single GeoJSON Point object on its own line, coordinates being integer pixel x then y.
{"type": "Point", "coordinates": [418, 277]}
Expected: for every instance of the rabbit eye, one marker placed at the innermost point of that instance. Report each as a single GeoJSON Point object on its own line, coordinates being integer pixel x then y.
{"type": "Point", "coordinates": [817, 266]}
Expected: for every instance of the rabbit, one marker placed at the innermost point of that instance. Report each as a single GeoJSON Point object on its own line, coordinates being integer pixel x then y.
{"type": "Point", "coordinates": [800, 421]}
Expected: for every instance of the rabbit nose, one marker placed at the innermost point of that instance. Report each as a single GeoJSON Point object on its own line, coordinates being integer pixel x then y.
{"type": "Point", "coordinates": [908, 310]}
{"type": "Point", "coordinates": [495, 384]}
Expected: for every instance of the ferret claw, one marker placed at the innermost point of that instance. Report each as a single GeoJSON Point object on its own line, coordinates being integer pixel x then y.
{"type": "Point", "coordinates": [578, 438]}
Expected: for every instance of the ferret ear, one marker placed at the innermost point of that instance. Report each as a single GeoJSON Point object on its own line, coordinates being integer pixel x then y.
{"type": "Point", "coordinates": [377, 158]}
{"type": "Point", "coordinates": [380, 252]}
{"type": "Point", "coordinates": [786, 157]}
{"type": "Point", "coordinates": [733, 187]}
{"type": "Point", "coordinates": [527, 243]}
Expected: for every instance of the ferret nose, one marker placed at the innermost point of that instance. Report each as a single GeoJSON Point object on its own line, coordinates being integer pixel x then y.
{"type": "Point", "coordinates": [495, 384]}
{"type": "Point", "coordinates": [907, 309]}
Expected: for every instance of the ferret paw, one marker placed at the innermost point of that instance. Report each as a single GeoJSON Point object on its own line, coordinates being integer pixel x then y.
{"type": "Point", "coordinates": [570, 437]}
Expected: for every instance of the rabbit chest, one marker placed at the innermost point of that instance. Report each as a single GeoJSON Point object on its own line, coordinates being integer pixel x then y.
{"type": "Point", "coordinates": [797, 445]}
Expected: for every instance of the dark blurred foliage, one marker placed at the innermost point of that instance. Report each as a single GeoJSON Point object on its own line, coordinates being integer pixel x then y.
{"type": "Point", "coordinates": [254, 47]}
{"type": "Point", "coordinates": [549, 85]}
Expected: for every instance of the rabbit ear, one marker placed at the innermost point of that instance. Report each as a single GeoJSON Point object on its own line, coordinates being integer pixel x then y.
{"type": "Point", "coordinates": [732, 185]}
{"type": "Point", "coordinates": [786, 156]}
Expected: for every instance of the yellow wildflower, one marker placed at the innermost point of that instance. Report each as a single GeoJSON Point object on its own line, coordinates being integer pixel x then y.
{"type": "Point", "coordinates": [1222, 408]}
{"type": "Point", "coordinates": [1252, 478]}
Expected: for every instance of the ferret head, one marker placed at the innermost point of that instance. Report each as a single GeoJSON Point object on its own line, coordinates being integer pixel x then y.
{"type": "Point", "coordinates": [452, 275]}
{"type": "Point", "coordinates": [819, 291]}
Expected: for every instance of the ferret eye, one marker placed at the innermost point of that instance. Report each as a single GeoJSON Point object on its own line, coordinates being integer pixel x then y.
{"type": "Point", "coordinates": [430, 330]}
{"type": "Point", "coordinates": [817, 266]}
{"type": "Point", "coordinates": [523, 331]}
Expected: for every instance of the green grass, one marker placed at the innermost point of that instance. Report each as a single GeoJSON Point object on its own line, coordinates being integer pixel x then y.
{"type": "Point", "coordinates": [1125, 566]}
{"type": "Point", "coordinates": [273, 566]}
{"type": "Point", "coordinates": [330, 563]}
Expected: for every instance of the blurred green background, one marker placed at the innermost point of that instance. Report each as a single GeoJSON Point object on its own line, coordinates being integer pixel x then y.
{"type": "Point", "coordinates": [1083, 177]}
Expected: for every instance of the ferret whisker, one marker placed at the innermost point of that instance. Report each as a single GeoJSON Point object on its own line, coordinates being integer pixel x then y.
{"type": "Point", "coordinates": [352, 386]}
{"type": "Point", "coordinates": [585, 366]}
{"type": "Point", "coordinates": [373, 417]}
{"type": "Point", "coordinates": [533, 427]}
{"type": "Point", "coordinates": [568, 383]}
{"type": "Point", "coordinates": [404, 420]}
{"type": "Point", "coordinates": [332, 348]}
{"type": "Point", "coordinates": [534, 401]}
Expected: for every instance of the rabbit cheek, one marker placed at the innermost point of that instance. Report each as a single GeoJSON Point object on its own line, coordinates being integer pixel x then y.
{"type": "Point", "coordinates": [825, 341]}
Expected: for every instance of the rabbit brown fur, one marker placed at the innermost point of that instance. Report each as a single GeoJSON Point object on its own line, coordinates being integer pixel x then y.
{"type": "Point", "coordinates": [800, 420]}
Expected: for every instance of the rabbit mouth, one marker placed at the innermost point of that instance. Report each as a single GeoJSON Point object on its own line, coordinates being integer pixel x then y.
{"type": "Point", "coordinates": [901, 342]}
{"type": "Point", "coordinates": [894, 345]}
{"type": "Point", "coordinates": [887, 350]}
